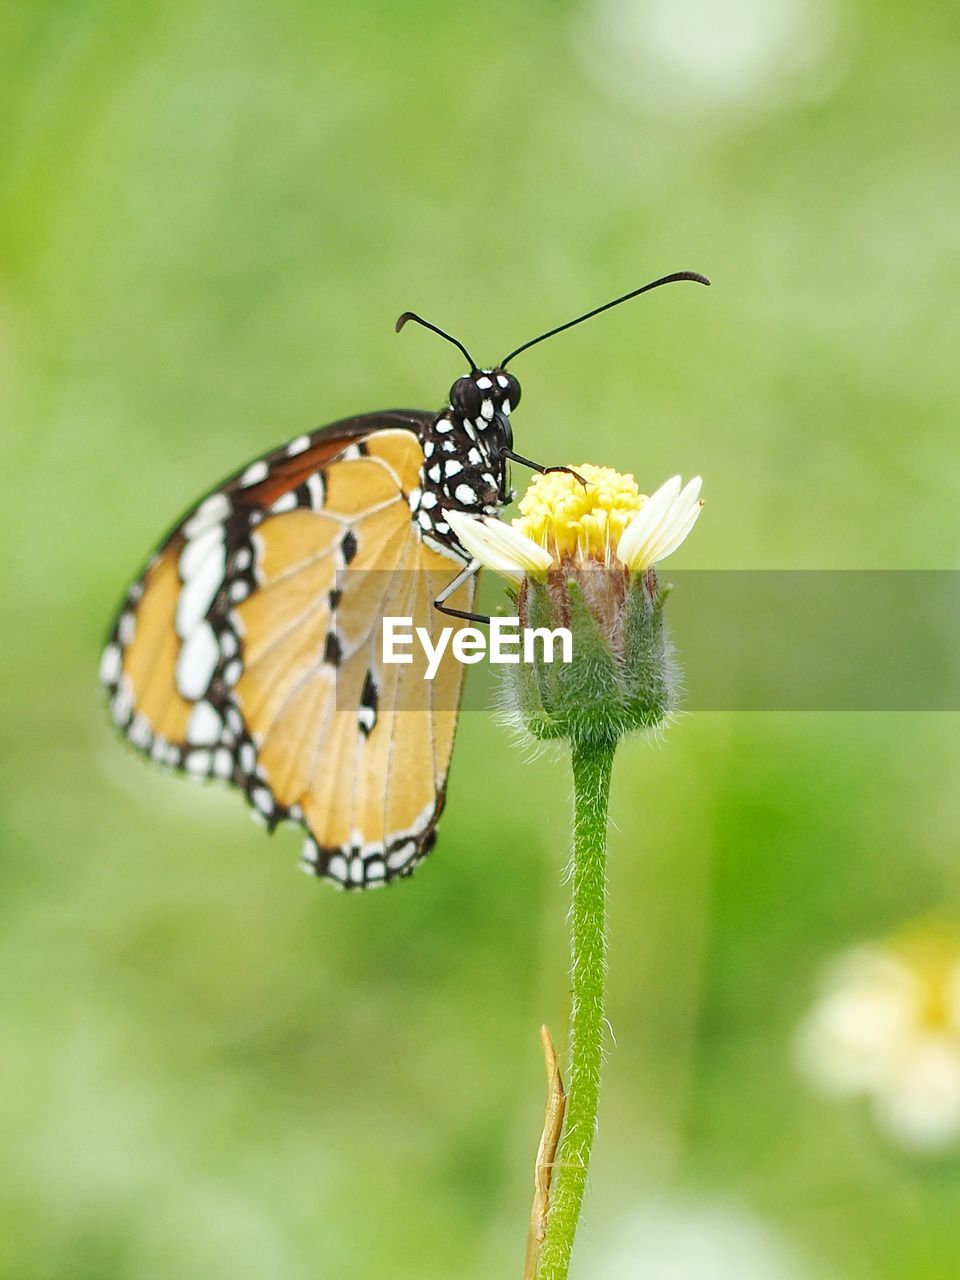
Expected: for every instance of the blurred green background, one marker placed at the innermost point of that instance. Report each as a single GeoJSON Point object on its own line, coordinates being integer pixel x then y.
{"type": "Point", "coordinates": [210, 215]}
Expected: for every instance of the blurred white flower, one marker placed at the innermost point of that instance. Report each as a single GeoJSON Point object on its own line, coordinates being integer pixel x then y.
{"type": "Point", "coordinates": [698, 1241]}
{"type": "Point", "coordinates": [708, 58]}
{"type": "Point", "coordinates": [887, 1028]}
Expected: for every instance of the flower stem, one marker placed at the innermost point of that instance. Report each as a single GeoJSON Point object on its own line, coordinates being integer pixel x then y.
{"type": "Point", "coordinates": [592, 763]}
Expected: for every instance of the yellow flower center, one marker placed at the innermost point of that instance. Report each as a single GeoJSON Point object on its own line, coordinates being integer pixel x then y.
{"type": "Point", "coordinates": [570, 519]}
{"type": "Point", "coordinates": [933, 956]}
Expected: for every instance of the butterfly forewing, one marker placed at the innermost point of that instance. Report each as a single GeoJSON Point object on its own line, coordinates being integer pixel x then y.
{"type": "Point", "coordinates": [250, 648]}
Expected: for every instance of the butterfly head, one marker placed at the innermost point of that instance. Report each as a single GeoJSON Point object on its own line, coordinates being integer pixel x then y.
{"type": "Point", "coordinates": [485, 395]}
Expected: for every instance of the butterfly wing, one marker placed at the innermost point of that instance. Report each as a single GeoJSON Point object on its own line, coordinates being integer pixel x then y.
{"type": "Point", "coordinates": [250, 648]}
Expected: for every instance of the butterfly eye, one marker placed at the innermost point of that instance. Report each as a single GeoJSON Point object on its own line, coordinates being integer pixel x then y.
{"type": "Point", "coordinates": [466, 397]}
{"type": "Point", "coordinates": [511, 392]}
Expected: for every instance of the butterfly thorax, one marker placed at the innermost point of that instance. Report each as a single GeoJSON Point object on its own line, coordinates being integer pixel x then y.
{"type": "Point", "coordinates": [465, 468]}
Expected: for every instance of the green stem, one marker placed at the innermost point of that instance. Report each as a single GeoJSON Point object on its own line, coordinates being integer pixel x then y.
{"type": "Point", "coordinates": [592, 763]}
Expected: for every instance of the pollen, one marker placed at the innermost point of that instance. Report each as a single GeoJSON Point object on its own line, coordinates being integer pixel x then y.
{"type": "Point", "coordinates": [574, 520]}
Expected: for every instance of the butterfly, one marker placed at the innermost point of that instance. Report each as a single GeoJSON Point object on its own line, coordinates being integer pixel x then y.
{"type": "Point", "coordinates": [249, 649]}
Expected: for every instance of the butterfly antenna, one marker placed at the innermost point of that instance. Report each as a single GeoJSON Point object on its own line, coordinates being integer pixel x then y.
{"type": "Point", "coordinates": [645, 288]}
{"type": "Point", "coordinates": [412, 315]}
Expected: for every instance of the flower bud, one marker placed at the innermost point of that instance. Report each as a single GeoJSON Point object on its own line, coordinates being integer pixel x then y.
{"type": "Point", "coordinates": [621, 676]}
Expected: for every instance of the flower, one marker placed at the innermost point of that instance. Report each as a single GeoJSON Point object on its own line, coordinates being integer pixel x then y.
{"type": "Point", "coordinates": [701, 1239]}
{"type": "Point", "coordinates": [887, 1028]}
{"type": "Point", "coordinates": [562, 520]}
{"type": "Point", "coordinates": [581, 556]}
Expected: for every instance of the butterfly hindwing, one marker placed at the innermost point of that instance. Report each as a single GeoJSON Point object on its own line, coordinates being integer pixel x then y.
{"type": "Point", "coordinates": [250, 648]}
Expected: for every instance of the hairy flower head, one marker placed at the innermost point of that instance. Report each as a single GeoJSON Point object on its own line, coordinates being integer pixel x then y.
{"type": "Point", "coordinates": [581, 555]}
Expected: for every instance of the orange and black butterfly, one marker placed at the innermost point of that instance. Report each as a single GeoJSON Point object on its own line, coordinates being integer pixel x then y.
{"type": "Point", "coordinates": [245, 653]}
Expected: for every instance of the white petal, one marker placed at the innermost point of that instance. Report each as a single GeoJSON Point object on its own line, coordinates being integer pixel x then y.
{"type": "Point", "coordinates": [920, 1106]}
{"type": "Point", "coordinates": [498, 546]}
{"type": "Point", "coordinates": [642, 527]}
{"type": "Point", "coordinates": [683, 516]}
{"type": "Point", "coordinates": [661, 525]}
{"type": "Point", "coordinates": [863, 1025]}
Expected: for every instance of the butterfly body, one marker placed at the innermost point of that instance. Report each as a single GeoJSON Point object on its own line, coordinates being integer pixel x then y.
{"type": "Point", "coordinates": [465, 463]}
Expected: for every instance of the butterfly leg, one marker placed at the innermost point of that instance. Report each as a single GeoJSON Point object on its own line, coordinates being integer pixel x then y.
{"type": "Point", "coordinates": [541, 470]}
{"type": "Point", "coordinates": [463, 576]}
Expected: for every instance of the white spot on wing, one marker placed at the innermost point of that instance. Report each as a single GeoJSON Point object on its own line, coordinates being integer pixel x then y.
{"type": "Point", "coordinates": [286, 502]}
{"type": "Point", "coordinates": [315, 490]}
{"type": "Point", "coordinates": [196, 663]}
{"type": "Point", "coordinates": [139, 731]}
{"type": "Point", "coordinates": [110, 664]}
{"type": "Point", "coordinates": [122, 702]}
{"type": "Point", "coordinates": [263, 799]}
{"type": "Point", "coordinates": [196, 550]}
{"type": "Point", "coordinates": [256, 472]}
{"type": "Point", "coordinates": [337, 867]}
{"type": "Point", "coordinates": [202, 571]}
{"type": "Point", "coordinates": [298, 446]}
{"type": "Point", "coordinates": [401, 856]}
{"type": "Point", "coordinates": [204, 725]}
{"type": "Point", "coordinates": [212, 511]}
{"type": "Point", "coordinates": [198, 763]}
